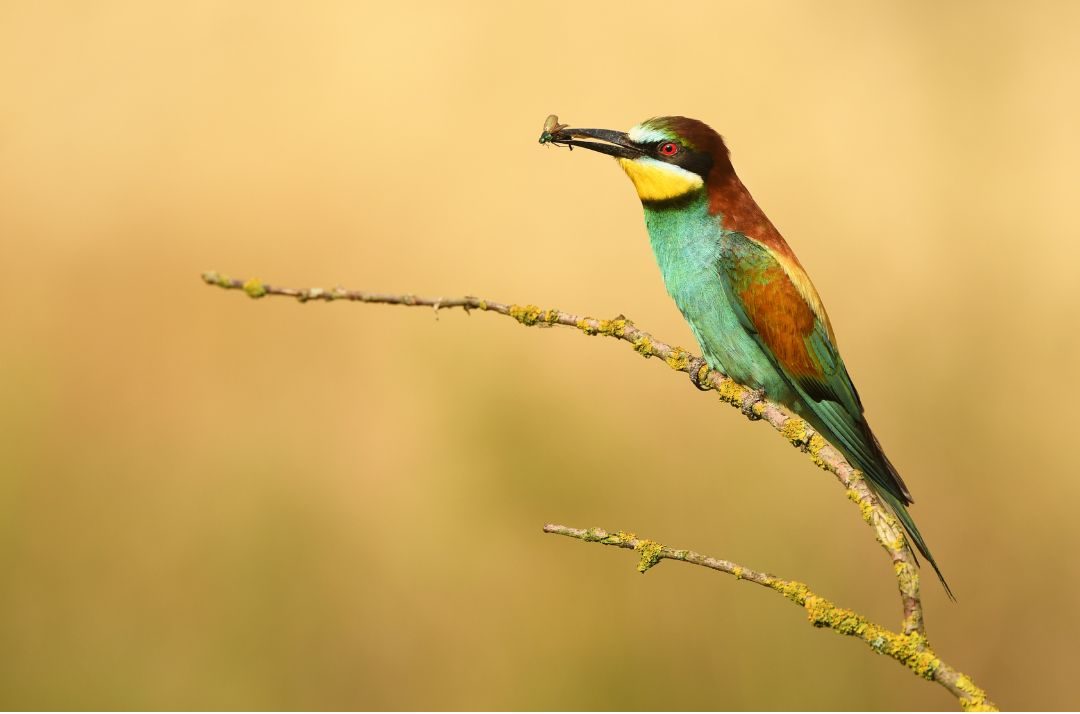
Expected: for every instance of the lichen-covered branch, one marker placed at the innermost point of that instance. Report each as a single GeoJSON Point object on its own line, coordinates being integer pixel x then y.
{"type": "Point", "coordinates": [888, 532]}
{"type": "Point", "coordinates": [910, 649]}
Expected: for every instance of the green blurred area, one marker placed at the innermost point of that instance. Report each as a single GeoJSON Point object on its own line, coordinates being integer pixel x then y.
{"type": "Point", "coordinates": [208, 502]}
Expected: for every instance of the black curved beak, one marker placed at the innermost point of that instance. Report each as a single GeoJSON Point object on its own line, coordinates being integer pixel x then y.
{"type": "Point", "coordinates": [615, 143]}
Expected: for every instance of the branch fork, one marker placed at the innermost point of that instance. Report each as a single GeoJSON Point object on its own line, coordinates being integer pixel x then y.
{"type": "Point", "coordinates": [909, 646]}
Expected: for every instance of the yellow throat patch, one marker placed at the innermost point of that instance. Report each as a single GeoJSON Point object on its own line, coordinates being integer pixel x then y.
{"type": "Point", "coordinates": [659, 181]}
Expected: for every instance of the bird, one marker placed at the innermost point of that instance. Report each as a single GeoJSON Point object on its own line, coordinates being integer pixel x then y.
{"type": "Point", "coordinates": [746, 297]}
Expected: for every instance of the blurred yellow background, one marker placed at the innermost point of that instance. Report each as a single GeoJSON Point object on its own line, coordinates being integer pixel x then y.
{"type": "Point", "coordinates": [208, 502]}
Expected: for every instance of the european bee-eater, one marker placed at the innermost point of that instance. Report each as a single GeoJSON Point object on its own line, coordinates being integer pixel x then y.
{"type": "Point", "coordinates": [749, 303]}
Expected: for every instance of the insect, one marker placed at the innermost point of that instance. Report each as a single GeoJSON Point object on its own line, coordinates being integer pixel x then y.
{"type": "Point", "coordinates": [551, 128]}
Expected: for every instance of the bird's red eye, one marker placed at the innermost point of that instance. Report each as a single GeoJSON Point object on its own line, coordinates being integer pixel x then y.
{"type": "Point", "coordinates": [669, 149]}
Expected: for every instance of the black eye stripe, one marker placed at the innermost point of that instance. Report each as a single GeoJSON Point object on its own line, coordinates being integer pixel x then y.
{"type": "Point", "coordinates": [696, 161]}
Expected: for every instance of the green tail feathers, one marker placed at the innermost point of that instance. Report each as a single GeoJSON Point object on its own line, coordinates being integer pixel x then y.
{"type": "Point", "coordinates": [901, 512]}
{"type": "Point", "coordinates": [852, 435]}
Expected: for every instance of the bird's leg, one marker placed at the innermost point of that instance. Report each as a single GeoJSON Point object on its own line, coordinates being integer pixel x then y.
{"type": "Point", "coordinates": [694, 367]}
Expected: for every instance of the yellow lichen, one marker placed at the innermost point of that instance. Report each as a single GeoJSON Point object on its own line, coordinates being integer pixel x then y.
{"type": "Point", "coordinates": [911, 650]}
{"type": "Point", "coordinates": [593, 535]}
{"type": "Point", "coordinates": [794, 430]}
{"type": "Point", "coordinates": [650, 554]}
{"type": "Point", "coordinates": [526, 315]}
{"type": "Point", "coordinates": [976, 700]}
{"type": "Point", "coordinates": [643, 345]}
{"type": "Point", "coordinates": [730, 390]}
{"type": "Point", "coordinates": [614, 327]}
{"type": "Point", "coordinates": [865, 507]}
{"type": "Point", "coordinates": [678, 359]}
{"type": "Point", "coordinates": [791, 589]}
{"type": "Point", "coordinates": [816, 444]}
{"type": "Point", "coordinates": [212, 277]}
{"type": "Point", "coordinates": [254, 288]}
{"type": "Point", "coordinates": [586, 326]}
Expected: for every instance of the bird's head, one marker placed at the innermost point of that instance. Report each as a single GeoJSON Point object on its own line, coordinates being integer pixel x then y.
{"type": "Point", "coordinates": [667, 158]}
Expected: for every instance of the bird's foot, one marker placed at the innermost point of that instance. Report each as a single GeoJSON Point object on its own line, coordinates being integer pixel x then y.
{"type": "Point", "coordinates": [751, 399]}
{"type": "Point", "coordinates": [696, 367]}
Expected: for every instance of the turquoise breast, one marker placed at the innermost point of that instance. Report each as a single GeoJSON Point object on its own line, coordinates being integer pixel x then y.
{"type": "Point", "coordinates": [688, 243]}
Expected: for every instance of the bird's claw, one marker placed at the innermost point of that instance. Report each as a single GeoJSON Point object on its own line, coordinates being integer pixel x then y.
{"type": "Point", "coordinates": [695, 368]}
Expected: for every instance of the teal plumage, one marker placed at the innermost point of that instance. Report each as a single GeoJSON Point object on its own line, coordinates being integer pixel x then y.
{"type": "Point", "coordinates": [748, 301]}
{"type": "Point", "coordinates": [690, 253]}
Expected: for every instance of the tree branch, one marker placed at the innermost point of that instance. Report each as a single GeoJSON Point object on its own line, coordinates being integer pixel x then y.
{"type": "Point", "coordinates": [888, 532]}
{"type": "Point", "coordinates": [910, 649]}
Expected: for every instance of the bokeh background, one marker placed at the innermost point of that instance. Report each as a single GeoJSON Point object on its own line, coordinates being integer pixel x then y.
{"type": "Point", "coordinates": [210, 502]}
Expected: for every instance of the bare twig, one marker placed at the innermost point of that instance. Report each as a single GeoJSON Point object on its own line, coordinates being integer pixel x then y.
{"type": "Point", "coordinates": [887, 530]}
{"type": "Point", "coordinates": [910, 649]}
